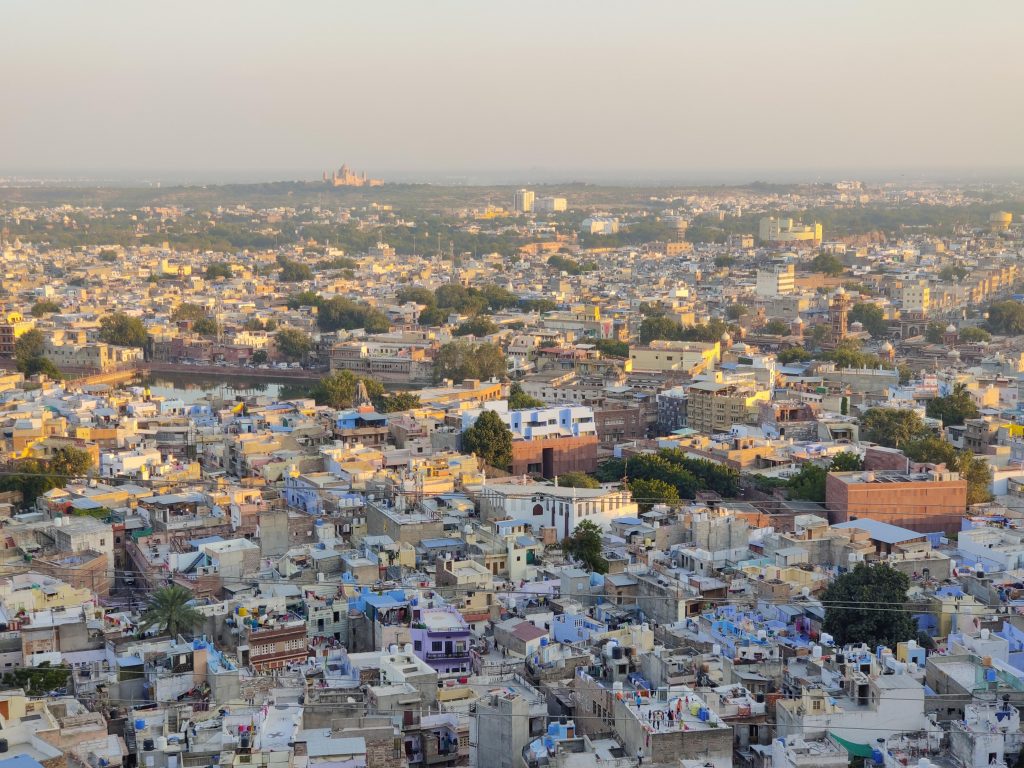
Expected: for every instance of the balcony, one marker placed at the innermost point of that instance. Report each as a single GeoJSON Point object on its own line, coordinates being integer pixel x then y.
{"type": "Point", "coordinates": [455, 654]}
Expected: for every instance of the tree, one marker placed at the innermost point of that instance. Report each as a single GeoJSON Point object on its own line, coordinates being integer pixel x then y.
{"type": "Point", "coordinates": [170, 610]}
{"type": "Point", "coordinates": [934, 333]}
{"type": "Point", "coordinates": [892, 427]}
{"type": "Point", "coordinates": [341, 313]}
{"type": "Point", "coordinates": [954, 407]}
{"type": "Point", "coordinates": [259, 357]}
{"type": "Point", "coordinates": [218, 269]}
{"type": "Point", "coordinates": [397, 401]}
{"type": "Point", "coordinates": [477, 326]}
{"type": "Point", "coordinates": [462, 359]}
{"type": "Point", "coordinates": [867, 605]}
{"type": "Point", "coordinates": [205, 326]}
{"type": "Point", "coordinates": [872, 317]}
{"type": "Point", "coordinates": [647, 493]}
{"type": "Point", "coordinates": [37, 681]}
{"type": "Point", "coordinates": [952, 273]}
{"type": "Point", "coordinates": [188, 313]}
{"type": "Point", "coordinates": [777, 328]}
{"type": "Point", "coordinates": [585, 546]}
{"type": "Point", "coordinates": [978, 475]}
{"type": "Point", "coordinates": [736, 311]}
{"type": "Point", "coordinates": [931, 449]}
{"type": "Point", "coordinates": [847, 461]}
{"type": "Point", "coordinates": [974, 335]}
{"type": "Point", "coordinates": [28, 346]}
{"type": "Point", "coordinates": [293, 343]}
{"type": "Point", "coordinates": [338, 389]}
{"type": "Point", "coordinates": [108, 255]}
{"type": "Point", "coordinates": [304, 299]}
{"type": "Point", "coordinates": [794, 355]}
{"type": "Point", "coordinates": [489, 439]}
{"type": "Point", "coordinates": [44, 307]}
{"type": "Point", "coordinates": [827, 264]}
{"type": "Point", "coordinates": [519, 400]}
{"type": "Point", "coordinates": [418, 295]}
{"type": "Point", "coordinates": [652, 328]}
{"type": "Point", "coordinates": [43, 365]}
{"type": "Point", "coordinates": [577, 480]}
{"type": "Point", "coordinates": [293, 271]}
{"type": "Point", "coordinates": [70, 462]}
{"type": "Point", "coordinates": [808, 483]}
{"type": "Point", "coordinates": [122, 330]}
{"type": "Point", "coordinates": [1006, 318]}
{"type": "Point", "coordinates": [612, 347]}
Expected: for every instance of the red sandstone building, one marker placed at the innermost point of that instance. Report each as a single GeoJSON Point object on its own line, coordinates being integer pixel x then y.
{"type": "Point", "coordinates": [921, 501]}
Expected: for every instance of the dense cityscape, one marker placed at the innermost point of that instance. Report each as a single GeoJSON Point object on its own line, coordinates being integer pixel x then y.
{"type": "Point", "coordinates": [377, 474]}
{"type": "Point", "coordinates": [511, 385]}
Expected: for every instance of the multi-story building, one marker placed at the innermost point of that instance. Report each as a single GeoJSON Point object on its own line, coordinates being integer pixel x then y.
{"type": "Point", "coordinates": [915, 296]}
{"type": "Point", "coordinates": [13, 325]}
{"type": "Point", "coordinates": [714, 406]}
{"type": "Point", "coordinates": [921, 501]}
{"type": "Point", "coordinates": [774, 230]}
{"type": "Point", "coordinates": [686, 356]}
{"type": "Point", "coordinates": [441, 637]}
{"type": "Point", "coordinates": [551, 204]}
{"type": "Point", "coordinates": [524, 200]}
{"type": "Point", "coordinates": [776, 281]}
{"type": "Point", "coordinates": [274, 642]}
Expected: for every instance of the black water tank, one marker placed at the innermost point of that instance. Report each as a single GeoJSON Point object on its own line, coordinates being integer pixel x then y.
{"type": "Point", "coordinates": [759, 698]}
{"type": "Point", "coordinates": [3, 745]}
{"type": "Point", "coordinates": [147, 745]}
{"type": "Point", "coordinates": [617, 652]}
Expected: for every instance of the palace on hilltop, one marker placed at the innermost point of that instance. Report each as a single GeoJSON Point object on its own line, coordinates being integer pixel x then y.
{"type": "Point", "coordinates": [346, 177]}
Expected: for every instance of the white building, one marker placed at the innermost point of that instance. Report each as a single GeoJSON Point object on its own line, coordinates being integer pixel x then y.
{"type": "Point", "coordinates": [776, 281]}
{"type": "Point", "coordinates": [552, 204]}
{"type": "Point", "coordinates": [524, 201]}
{"type": "Point", "coordinates": [539, 423]}
{"type": "Point", "coordinates": [916, 296]}
{"type": "Point", "coordinates": [547, 506]}
{"type": "Point", "coordinates": [600, 225]}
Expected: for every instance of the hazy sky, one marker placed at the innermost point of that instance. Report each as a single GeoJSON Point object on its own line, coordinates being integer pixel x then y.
{"type": "Point", "coordinates": [286, 89]}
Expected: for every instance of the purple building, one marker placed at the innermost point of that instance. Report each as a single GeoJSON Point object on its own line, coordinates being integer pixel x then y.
{"type": "Point", "coordinates": [441, 637]}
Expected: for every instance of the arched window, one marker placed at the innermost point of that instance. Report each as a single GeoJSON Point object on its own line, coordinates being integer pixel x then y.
{"type": "Point", "coordinates": [538, 509]}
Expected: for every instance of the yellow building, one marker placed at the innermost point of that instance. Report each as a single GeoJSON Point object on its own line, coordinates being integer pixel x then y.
{"type": "Point", "coordinates": [773, 230]}
{"type": "Point", "coordinates": [690, 356]}
{"type": "Point", "coordinates": [13, 325]}
{"type": "Point", "coordinates": [38, 592]}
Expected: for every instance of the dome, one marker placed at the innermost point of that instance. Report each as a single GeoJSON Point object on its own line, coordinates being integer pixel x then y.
{"type": "Point", "coordinates": [950, 328]}
{"type": "Point", "coordinates": [799, 320]}
{"type": "Point", "coordinates": [726, 338]}
{"type": "Point", "coordinates": [886, 347]}
{"type": "Point", "coordinates": [953, 354]}
{"type": "Point", "coordinates": [840, 291]}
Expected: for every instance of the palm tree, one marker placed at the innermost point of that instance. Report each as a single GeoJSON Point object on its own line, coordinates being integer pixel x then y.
{"type": "Point", "coordinates": [169, 609]}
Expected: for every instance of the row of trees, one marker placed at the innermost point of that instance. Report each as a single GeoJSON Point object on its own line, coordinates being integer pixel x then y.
{"type": "Point", "coordinates": [668, 476]}
{"type": "Point", "coordinates": [665, 328]}
{"type": "Point", "coordinates": [906, 431]}
{"type": "Point", "coordinates": [34, 477]}
{"type": "Point", "coordinates": [338, 390]}
{"type": "Point", "coordinates": [339, 313]}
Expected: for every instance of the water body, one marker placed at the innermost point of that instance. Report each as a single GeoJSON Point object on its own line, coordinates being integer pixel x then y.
{"type": "Point", "coordinates": [191, 388]}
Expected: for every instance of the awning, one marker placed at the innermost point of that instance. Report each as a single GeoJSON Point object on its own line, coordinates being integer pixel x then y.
{"type": "Point", "coordinates": [854, 750]}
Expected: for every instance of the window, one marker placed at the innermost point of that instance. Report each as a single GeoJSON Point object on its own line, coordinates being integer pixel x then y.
{"type": "Point", "coordinates": [418, 645]}
{"type": "Point", "coordinates": [538, 509]}
{"type": "Point", "coordinates": [436, 645]}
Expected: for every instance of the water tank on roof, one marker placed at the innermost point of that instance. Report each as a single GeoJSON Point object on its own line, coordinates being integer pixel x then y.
{"type": "Point", "coordinates": [543, 641]}
{"type": "Point", "coordinates": [140, 725]}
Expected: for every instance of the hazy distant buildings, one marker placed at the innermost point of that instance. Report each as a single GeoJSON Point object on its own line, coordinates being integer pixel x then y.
{"type": "Point", "coordinates": [773, 230]}
{"type": "Point", "coordinates": [600, 225]}
{"type": "Point", "coordinates": [524, 201]}
{"type": "Point", "coordinates": [552, 204]}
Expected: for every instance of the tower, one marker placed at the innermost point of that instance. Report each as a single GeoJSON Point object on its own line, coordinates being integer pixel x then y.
{"type": "Point", "coordinates": [838, 314]}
